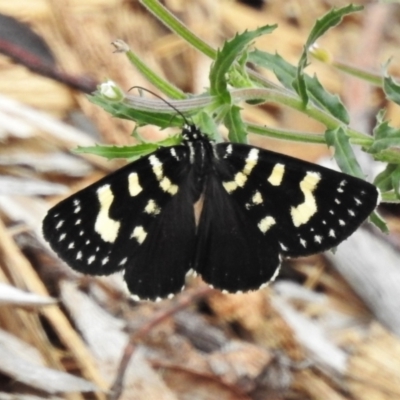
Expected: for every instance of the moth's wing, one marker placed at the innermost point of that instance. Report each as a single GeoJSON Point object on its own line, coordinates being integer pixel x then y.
{"type": "Point", "coordinates": [282, 204]}
{"type": "Point", "coordinates": [107, 226]}
{"type": "Point", "coordinates": [160, 264]}
{"type": "Point", "coordinates": [231, 253]}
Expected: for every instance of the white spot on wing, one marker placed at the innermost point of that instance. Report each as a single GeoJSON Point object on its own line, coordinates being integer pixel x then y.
{"type": "Point", "coordinates": [71, 245]}
{"type": "Point", "coordinates": [62, 237]}
{"type": "Point", "coordinates": [79, 255]}
{"type": "Point", "coordinates": [152, 208]}
{"type": "Point", "coordinates": [332, 233]}
{"type": "Point", "coordinates": [352, 213]}
{"type": "Point", "coordinates": [133, 184]}
{"type": "Point", "coordinates": [240, 178]}
{"type": "Point", "coordinates": [304, 211]}
{"type": "Point", "coordinates": [123, 261]}
{"type": "Point", "coordinates": [341, 222]}
{"type": "Point", "coordinates": [139, 234]}
{"type": "Point", "coordinates": [167, 186]}
{"type": "Point", "coordinates": [257, 198]}
{"type": "Point", "coordinates": [283, 247]}
{"type": "Point", "coordinates": [59, 224]}
{"type": "Point", "coordinates": [157, 167]}
{"type": "Point", "coordinates": [276, 176]}
{"type": "Point", "coordinates": [358, 202]}
{"type": "Point", "coordinates": [303, 242]}
{"type": "Point", "coordinates": [265, 224]}
{"type": "Point", "coordinates": [106, 227]}
{"type": "Point", "coordinates": [318, 239]}
{"type": "Point", "coordinates": [228, 151]}
{"type": "Point", "coordinates": [91, 259]}
{"type": "Point", "coordinates": [230, 186]}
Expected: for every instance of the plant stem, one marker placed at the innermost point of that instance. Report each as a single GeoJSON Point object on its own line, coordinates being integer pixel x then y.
{"type": "Point", "coordinates": [169, 20]}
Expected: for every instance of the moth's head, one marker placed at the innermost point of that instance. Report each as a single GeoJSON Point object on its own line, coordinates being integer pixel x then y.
{"type": "Point", "coordinates": [191, 132]}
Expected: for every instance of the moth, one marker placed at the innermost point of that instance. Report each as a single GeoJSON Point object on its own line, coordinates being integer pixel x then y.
{"type": "Point", "coordinates": [258, 206]}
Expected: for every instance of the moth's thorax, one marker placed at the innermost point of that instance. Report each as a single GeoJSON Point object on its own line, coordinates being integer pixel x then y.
{"type": "Point", "coordinates": [200, 155]}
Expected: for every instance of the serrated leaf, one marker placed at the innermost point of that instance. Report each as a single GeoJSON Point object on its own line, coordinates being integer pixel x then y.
{"type": "Point", "coordinates": [129, 152]}
{"type": "Point", "coordinates": [385, 136]}
{"type": "Point", "coordinates": [391, 89]}
{"type": "Point", "coordinates": [285, 72]}
{"type": "Point", "coordinates": [235, 125]}
{"type": "Point", "coordinates": [111, 152]}
{"type": "Point", "coordinates": [230, 52]}
{"type": "Point", "coordinates": [329, 20]}
{"type": "Point", "coordinates": [326, 100]}
{"type": "Point", "coordinates": [344, 154]}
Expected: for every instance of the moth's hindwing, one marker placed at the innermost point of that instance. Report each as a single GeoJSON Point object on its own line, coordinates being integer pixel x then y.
{"type": "Point", "coordinates": [259, 205]}
{"type": "Point", "coordinates": [139, 218]}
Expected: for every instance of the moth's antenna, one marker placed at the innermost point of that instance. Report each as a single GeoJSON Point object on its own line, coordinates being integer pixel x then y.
{"type": "Point", "coordinates": [162, 99]}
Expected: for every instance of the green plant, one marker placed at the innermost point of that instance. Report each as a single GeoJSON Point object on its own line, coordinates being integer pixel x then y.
{"type": "Point", "coordinates": [232, 82]}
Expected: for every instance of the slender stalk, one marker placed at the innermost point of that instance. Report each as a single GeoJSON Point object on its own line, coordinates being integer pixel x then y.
{"type": "Point", "coordinates": [170, 21]}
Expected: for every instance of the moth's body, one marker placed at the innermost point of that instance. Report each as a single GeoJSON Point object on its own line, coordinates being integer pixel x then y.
{"type": "Point", "coordinates": [257, 207]}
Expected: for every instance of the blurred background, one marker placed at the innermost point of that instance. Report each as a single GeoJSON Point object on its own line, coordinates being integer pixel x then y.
{"type": "Point", "coordinates": [328, 328]}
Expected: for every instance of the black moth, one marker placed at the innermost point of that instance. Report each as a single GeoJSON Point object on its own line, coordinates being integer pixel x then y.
{"type": "Point", "coordinates": [257, 207]}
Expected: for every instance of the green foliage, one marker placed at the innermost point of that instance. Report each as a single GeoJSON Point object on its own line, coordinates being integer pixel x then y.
{"type": "Point", "coordinates": [286, 74]}
{"type": "Point", "coordinates": [322, 25]}
{"type": "Point", "coordinates": [232, 83]}
{"type": "Point", "coordinates": [344, 154]}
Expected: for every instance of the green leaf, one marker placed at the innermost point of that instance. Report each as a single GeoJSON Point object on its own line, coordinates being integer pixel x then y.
{"type": "Point", "coordinates": [385, 136]}
{"type": "Point", "coordinates": [226, 57]}
{"type": "Point", "coordinates": [388, 156]}
{"type": "Point", "coordinates": [130, 152]}
{"type": "Point", "coordinates": [384, 180]}
{"type": "Point", "coordinates": [396, 181]}
{"type": "Point", "coordinates": [379, 222]}
{"type": "Point", "coordinates": [207, 125]}
{"type": "Point", "coordinates": [111, 152]}
{"type": "Point", "coordinates": [285, 72]}
{"type": "Point", "coordinates": [329, 20]}
{"type": "Point", "coordinates": [235, 125]}
{"type": "Point", "coordinates": [326, 100]}
{"type": "Point", "coordinates": [344, 154]}
{"type": "Point", "coordinates": [391, 89]}
{"type": "Point", "coordinates": [389, 180]}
